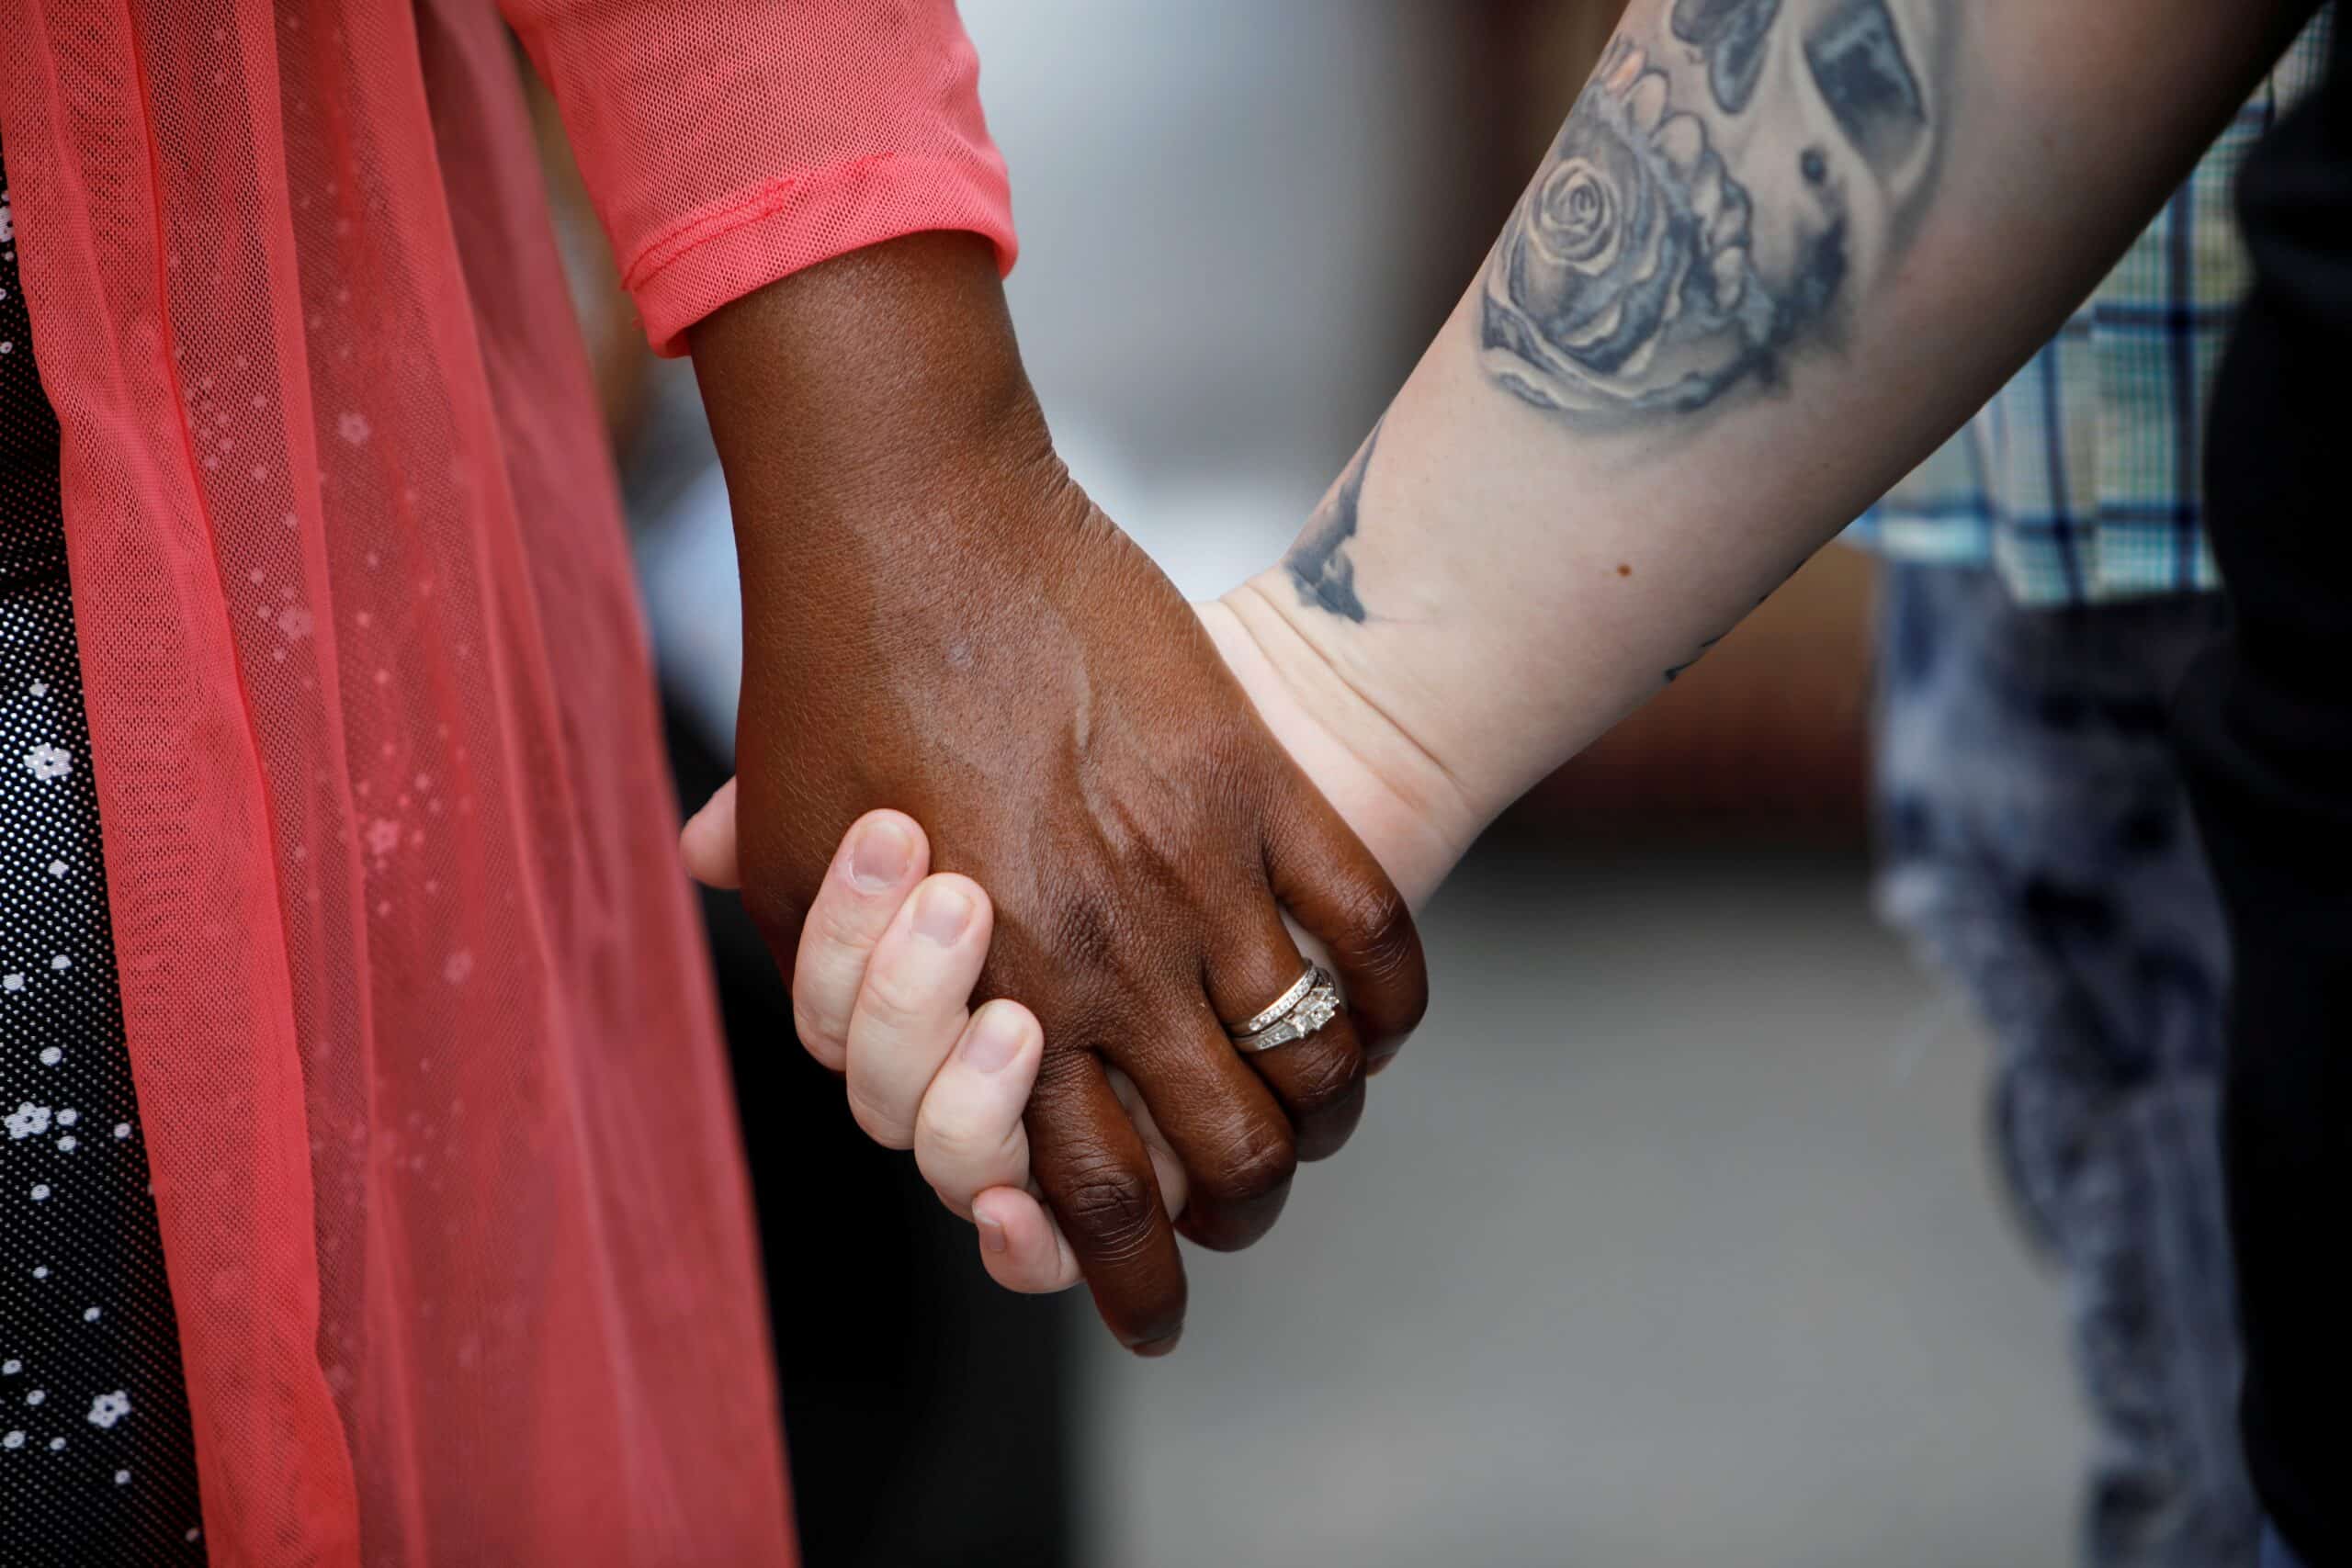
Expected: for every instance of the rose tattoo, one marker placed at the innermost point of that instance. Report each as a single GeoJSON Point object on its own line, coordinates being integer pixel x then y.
{"type": "Point", "coordinates": [1622, 283]}
{"type": "Point", "coordinates": [1731, 34]}
{"type": "Point", "coordinates": [1725, 190]}
{"type": "Point", "coordinates": [1719, 191]}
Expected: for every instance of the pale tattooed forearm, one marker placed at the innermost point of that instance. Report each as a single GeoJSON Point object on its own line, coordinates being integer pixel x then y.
{"type": "Point", "coordinates": [1733, 181]}
{"type": "Point", "coordinates": [1318, 562]}
{"type": "Point", "coordinates": [1723, 188]}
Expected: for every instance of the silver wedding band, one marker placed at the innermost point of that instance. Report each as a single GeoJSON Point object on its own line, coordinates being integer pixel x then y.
{"type": "Point", "coordinates": [1311, 1002]}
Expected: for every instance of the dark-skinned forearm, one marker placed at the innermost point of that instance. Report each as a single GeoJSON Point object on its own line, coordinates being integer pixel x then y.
{"type": "Point", "coordinates": [848, 397]}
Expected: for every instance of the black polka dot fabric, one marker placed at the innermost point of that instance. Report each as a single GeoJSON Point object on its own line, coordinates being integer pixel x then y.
{"type": "Point", "coordinates": [96, 1464]}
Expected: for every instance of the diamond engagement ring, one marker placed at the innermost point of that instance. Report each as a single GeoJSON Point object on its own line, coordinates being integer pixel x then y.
{"type": "Point", "coordinates": [1311, 1002]}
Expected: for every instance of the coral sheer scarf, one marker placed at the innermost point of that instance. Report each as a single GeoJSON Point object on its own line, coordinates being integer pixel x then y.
{"type": "Point", "coordinates": [445, 1156]}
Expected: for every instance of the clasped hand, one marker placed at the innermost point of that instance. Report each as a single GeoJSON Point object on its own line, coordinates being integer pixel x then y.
{"type": "Point", "coordinates": [1113, 837]}
{"type": "Point", "coordinates": [1078, 1151]}
{"type": "Point", "coordinates": [938, 622]}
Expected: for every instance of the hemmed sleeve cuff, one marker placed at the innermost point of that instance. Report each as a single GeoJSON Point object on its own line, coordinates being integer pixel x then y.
{"type": "Point", "coordinates": [724, 252]}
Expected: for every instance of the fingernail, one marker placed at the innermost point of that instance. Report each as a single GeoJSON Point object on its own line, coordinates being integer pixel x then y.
{"type": "Point", "coordinates": [995, 1039]}
{"type": "Point", "coordinates": [880, 856]}
{"type": "Point", "coordinates": [1159, 1346]}
{"type": "Point", "coordinates": [991, 1234]}
{"type": "Point", "coordinates": [942, 912]}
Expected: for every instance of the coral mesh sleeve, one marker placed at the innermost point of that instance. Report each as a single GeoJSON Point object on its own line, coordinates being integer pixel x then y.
{"type": "Point", "coordinates": [431, 1085]}
{"type": "Point", "coordinates": [730, 143]}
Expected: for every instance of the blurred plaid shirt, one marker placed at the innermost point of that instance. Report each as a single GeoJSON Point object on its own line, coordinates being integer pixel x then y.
{"type": "Point", "coordinates": [2080, 483]}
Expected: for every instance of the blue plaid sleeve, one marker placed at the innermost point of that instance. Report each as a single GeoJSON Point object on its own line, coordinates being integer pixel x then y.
{"type": "Point", "coordinates": [2079, 482]}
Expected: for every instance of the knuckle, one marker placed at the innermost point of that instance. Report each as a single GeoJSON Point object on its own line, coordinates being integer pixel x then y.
{"type": "Point", "coordinates": [819, 1036]}
{"type": "Point", "coordinates": [1386, 950]}
{"type": "Point", "coordinates": [1256, 1160]}
{"type": "Point", "coordinates": [843, 920]}
{"type": "Point", "coordinates": [1089, 930]}
{"type": "Point", "coordinates": [1378, 916]}
{"type": "Point", "coordinates": [877, 1121]}
{"type": "Point", "coordinates": [1325, 1078]}
{"type": "Point", "coordinates": [1111, 1208]}
{"type": "Point", "coordinates": [895, 1000]}
{"type": "Point", "coordinates": [961, 1143]}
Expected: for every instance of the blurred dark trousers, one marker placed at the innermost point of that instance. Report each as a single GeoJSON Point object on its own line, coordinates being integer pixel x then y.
{"type": "Point", "coordinates": [2276, 1553]}
{"type": "Point", "coordinates": [2036, 843]}
{"type": "Point", "coordinates": [924, 1409]}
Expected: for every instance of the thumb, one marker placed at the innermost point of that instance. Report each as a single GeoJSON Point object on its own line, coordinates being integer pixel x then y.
{"type": "Point", "coordinates": [707, 842]}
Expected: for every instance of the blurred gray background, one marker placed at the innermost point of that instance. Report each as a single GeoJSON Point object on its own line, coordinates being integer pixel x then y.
{"type": "Point", "coordinates": [1669, 1241]}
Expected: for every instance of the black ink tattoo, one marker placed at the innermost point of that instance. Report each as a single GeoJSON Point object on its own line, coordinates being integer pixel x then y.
{"type": "Point", "coordinates": [1730, 33]}
{"type": "Point", "coordinates": [1856, 59]}
{"type": "Point", "coordinates": [1319, 563]}
{"type": "Point", "coordinates": [1716, 195]}
{"type": "Point", "coordinates": [1676, 673]}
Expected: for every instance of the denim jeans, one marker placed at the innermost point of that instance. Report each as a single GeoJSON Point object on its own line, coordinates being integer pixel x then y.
{"type": "Point", "coordinates": [2036, 844]}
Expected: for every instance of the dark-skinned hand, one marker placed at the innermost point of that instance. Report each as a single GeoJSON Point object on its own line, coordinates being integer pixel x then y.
{"type": "Point", "coordinates": [937, 620]}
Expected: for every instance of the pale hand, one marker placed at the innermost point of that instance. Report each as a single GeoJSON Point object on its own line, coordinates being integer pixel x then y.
{"type": "Point", "coordinates": [889, 955]}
